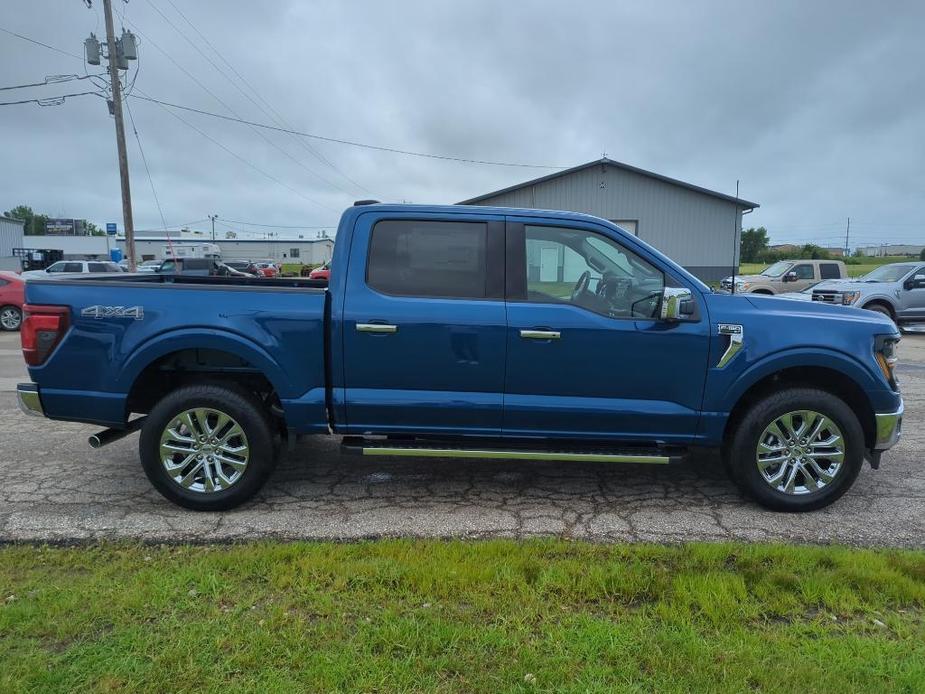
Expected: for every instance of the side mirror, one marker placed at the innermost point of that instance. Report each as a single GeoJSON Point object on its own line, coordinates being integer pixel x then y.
{"type": "Point", "coordinates": [790, 277]}
{"type": "Point", "coordinates": [677, 304]}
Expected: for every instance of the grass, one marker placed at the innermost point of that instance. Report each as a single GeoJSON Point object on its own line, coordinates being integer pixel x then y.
{"type": "Point", "coordinates": [494, 616]}
{"type": "Point", "coordinates": [853, 270]}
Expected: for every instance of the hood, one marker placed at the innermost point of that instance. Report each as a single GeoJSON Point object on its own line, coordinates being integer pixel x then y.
{"type": "Point", "coordinates": [754, 279]}
{"type": "Point", "coordinates": [819, 309]}
{"type": "Point", "coordinates": [850, 286]}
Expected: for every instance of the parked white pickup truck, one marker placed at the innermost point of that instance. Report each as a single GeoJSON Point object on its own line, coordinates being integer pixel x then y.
{"type": "Point", "coordinates": [787, 276]}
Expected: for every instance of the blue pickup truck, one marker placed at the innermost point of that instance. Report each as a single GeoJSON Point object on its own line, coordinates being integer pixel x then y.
{"type": "Point", "coordinates": [470, 332]}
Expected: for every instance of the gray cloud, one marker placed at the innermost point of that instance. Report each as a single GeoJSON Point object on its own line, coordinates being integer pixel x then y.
{"type": "Point", "coordinates": [818, 108]}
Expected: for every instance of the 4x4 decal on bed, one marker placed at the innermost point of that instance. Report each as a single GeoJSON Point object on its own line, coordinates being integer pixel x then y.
{"type": "Point", "coordinates": [136, 312]}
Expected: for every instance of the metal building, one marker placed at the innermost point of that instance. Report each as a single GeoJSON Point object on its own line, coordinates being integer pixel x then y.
{"type": "Point", "coordinates": [692, 225]}
{"type": "Point", "coordinates": [11, 236]}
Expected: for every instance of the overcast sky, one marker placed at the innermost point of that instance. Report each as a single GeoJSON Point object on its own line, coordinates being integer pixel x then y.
{"type": "Point", "coordinates": [818, 108]}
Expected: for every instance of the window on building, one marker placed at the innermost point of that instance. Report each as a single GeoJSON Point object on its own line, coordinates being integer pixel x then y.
{"type": "Point", "coordinates": [438, 259]}
{"type": "Point", "coordinates": [631, 225]}
{"type": "Point", "coordinates": [829, 271]}
{"type": "Point", "coordinates": [592, 271]}
{"type": "Point", "coordinates": [293, 252]}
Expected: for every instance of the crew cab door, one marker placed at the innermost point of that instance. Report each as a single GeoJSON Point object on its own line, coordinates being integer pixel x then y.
{"type": "Point", "coordinates": [804, 274]}
{"type": "Point", "coordinates": [912, 295]}
{"type": "Point", "coordinates": [586, 358]}
{"type": "Point", "coordinates": [424, 325]}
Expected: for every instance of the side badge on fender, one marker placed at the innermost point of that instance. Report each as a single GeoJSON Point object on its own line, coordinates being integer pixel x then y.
{"type": "Point", "coordinates": [100, 312]}
{"type": "Point", "coordinates": [736, 335]}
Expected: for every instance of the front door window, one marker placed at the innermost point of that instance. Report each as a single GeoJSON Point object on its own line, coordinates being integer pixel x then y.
{"type": "Point", "coordinates": [591, 271]}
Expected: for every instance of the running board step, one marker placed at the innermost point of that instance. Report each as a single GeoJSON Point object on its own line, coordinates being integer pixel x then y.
{"type": "Point", "coordinates": [425, 449]}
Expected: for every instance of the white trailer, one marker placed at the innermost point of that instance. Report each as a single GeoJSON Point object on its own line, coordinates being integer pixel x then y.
{"type": "Point", "coordinates": [191, 250]}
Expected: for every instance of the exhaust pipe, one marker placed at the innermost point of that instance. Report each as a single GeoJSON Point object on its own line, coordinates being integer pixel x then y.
{"type": "Point", "coordinates": [107, 436]}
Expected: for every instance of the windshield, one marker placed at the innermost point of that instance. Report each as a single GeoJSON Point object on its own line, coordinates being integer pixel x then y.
{"type": "Point", "coordinates": [777, 269]}
{"type": "Point", "coordinates": [889, 273]}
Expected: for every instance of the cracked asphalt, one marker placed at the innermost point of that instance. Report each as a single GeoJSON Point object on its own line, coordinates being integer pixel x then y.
{"type": "Point", "coordinates": [53, 487]}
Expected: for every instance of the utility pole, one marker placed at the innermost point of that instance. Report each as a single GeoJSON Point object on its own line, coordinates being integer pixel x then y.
{"type": "Point", "coordinates": [213, 217]}
{"type": "Point", "coordinates": [114, 59]}
{"type": "Point", "coordinates": [736, 239]}
{"type": "Point", "coordinates": [847, 230]}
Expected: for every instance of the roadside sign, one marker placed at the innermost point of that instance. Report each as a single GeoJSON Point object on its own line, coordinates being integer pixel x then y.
{"type": "Point", "coordinates": [111, 228]}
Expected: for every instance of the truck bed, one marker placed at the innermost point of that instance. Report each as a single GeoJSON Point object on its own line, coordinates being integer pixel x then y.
{"type": "Point", "coordinates": [128, 334]}
{"type": "Point", "coordinates": [155, 279]}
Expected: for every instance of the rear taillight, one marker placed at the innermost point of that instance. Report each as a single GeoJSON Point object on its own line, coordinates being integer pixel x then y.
{"type": "Point", "coordinates": [42, 329]}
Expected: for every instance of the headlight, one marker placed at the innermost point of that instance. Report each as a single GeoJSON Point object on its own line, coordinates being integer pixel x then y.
{"type": "Point", "coordinates": [885, 353]}
{"type": "Point", "coordinates": [848, 298]}
{"type": "Point", "coordinates": [743, 285]}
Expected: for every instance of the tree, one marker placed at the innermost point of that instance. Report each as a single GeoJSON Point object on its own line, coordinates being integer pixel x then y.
{"type": "Point", "coordinates": [34, 223]}
{"type": "Point", "coordinates": [754, 243]}
{"type": "Point", "coordinates": [814, 252]}
{"type": "Point", "coordinates": [922, 254]}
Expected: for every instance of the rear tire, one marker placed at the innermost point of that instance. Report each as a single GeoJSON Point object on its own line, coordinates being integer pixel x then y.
{"type": "Point", "coordinates": [814, 467]}
{"type": "Point", "coordinates": [208, 447]}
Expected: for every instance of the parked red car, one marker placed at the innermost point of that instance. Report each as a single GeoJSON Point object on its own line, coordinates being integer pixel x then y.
{"type": "Point", "coordinates": [265, 269]}
{"type": "Point", "coordinates": [321, 273]}
{"type": "Point", "coordinates": [11, 300]}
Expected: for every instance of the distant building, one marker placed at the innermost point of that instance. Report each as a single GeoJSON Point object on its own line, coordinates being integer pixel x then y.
{"type": "Point", "coordinates": [835, 251]}
{"type": "Point", "coordinates": [696, 227]}
{"type": "Point", "coordinates": [891, 249]}
{"type": "Point", "coordinates": [785, 248]}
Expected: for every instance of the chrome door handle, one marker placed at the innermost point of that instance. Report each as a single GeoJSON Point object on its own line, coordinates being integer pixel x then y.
{"type": "Point", "coordinates": [540, 334]}
{"type": "Point", "coordinates": [376, 328]}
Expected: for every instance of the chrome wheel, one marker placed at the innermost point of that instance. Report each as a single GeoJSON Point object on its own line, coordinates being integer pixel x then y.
{"type": "Point", "coordinates": [204, 450]}
{"type": "Point", "coordinates": [10, 318]}
{"type": "Point", "coordinates": [800, 452]}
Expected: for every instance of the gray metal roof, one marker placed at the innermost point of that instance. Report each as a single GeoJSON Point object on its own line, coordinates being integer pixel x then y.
{"type": "Point", "coordinates": [744, 204]}
{"type": "Point", "coordinates": [12, 219]}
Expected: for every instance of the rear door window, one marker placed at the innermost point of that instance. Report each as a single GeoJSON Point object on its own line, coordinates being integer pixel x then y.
{"type": "Point", "coordinates": [829, 271]}
{"type": "Point", "coordinates": [97, 267]}
{"type": "Point", "coordinates": [429, 259]}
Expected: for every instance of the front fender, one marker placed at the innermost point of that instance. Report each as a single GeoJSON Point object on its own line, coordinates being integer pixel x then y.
{"type": "Point", "coordinates": [883, 297]}
{"type": "Point", "coordinates": [731, 391]}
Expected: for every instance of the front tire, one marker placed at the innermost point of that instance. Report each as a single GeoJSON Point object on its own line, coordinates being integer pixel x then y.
{"type": "Point", "coordinates": [10, 318]}
{"type": "Point", "coordinates": [797, 450]}
{"type": "Point", "coordinates": [882, 309]}
{"type": "Point", "coordinates": [208, 447]}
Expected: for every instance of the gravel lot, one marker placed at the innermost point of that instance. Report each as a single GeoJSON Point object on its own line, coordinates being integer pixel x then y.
{"type": "Point", "coordinates": [54, 487]}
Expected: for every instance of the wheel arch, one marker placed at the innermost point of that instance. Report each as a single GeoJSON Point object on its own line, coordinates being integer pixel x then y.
{"type": "Point", "coordinates": [881, 301]}
{"type": "Point", "coordinates": [196, 355]}
{"type": "Point", "coordinates": [826, 378]}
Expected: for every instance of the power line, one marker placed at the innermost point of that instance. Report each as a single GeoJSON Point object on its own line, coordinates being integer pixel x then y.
{"type": "Point", "coordinates": [48, 101]}
{"type": "Point", "coordinates": [144, 160]}
{"type": "Point", "coordinates": [262, 103]}
{"type": "Point", "coordinates": [39, 43]}
{"type": "Point", "coordinates": [351, 143]}
{"type": "Point", "coordinates": [50, 79]}
{"type": "Point", "coordinates": [281, 226]}
{"type": "Point", "coordinates": [202, 86]}
{"type": "Point", "coordinates": [236, 155]}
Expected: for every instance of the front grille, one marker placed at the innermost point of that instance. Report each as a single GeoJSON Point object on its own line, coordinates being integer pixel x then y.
{"type": "Point", "coordinates": [822, 295]}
